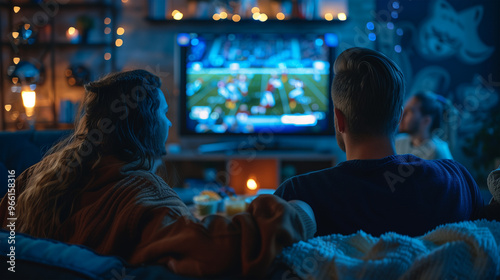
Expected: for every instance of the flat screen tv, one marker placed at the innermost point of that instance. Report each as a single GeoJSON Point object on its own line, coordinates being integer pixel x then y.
{"type": "Point", "coordinates": [245, 83]}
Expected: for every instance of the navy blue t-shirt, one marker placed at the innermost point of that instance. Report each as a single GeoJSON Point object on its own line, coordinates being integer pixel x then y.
{"type": "Point", "coordinates": [400, 193]}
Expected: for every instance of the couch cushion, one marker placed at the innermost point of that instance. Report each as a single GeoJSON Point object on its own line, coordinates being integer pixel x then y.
{"type": "Point", "coordinates": [22, 149]}
{"type": "Point", "coordinates": [39, 258]}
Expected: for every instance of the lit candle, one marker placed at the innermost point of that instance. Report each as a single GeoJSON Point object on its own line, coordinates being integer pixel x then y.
{"type": "Point", "coordinates": [252, 186]}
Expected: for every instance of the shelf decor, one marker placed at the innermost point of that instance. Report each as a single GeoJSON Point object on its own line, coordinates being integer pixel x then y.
{"type": "Point", "coordinates": [247, 10]}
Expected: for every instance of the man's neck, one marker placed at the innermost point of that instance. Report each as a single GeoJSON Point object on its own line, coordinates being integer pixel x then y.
{"type": "Point", "coordinates": [370, 148]}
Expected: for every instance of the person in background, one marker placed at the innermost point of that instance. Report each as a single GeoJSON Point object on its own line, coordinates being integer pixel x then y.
{"type": "Point", "coordinates": [376, 190]}
{"type": "Point", "coordinates": [98, 188]}
{"type": "Point", "coordinates": [422, 115]}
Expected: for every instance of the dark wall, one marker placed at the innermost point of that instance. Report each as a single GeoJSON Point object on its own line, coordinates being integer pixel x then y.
{"type": "Point", "coordinates": [452, 48]}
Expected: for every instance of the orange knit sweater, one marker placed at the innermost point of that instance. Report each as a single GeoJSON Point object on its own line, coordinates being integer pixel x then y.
{"type": "Point", "coordinates": [138, 217]}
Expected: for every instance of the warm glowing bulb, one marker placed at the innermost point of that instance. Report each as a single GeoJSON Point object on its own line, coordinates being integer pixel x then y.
{"type": "Point", "coordinates": [342, 16]}
{"type": "Point", "coordinates": [71, 31]}
{"type": "Point", "coordinates": [107, 56]}
{"type": "Point", "coordinates": [256, 16]}
{"type": "Point", "coordinates": [27, 26]}
{"type": "Point", "coordinates": [120, 30]}
{"type": "Point", "coordinates": [223, 15]}
{"type": "Point", "coordinates": [16, 9]}
{"type": "Point", "coordinates": [8, 107]}
{"type": "Point", "coordinates": [107, 30]}
{"type": "Point", "coordinates": [16, 60]}
{"type": "Point", "coordinates": [329, 16]}
{"type": "Point", "coordinates": [15, 80]}
{"type": "Point", "coordinates": [178, 16]}
{"type": "Point", "coordinates": [236, 18]}
{"type": "Point", "coordinates": [251, 184]}
{"type": "Point", "coordinates": [29, 98]}
{"type": "Point", "coordinates": [280, 16]}
{"type": "Point", "coordinates": [174, 12]}
{"type": "Point", "coordinates": [263, 17]}
{"type": "Point", "coordinates": [216, 17]}
{"type": "Point", "coordinates": [124, 1]}
{"type": "Point", "coordinates": [255, 10]}
{"type": "Point", "coordinates": [15, 34]}
{"type": "Point", "coordinates": [107, 20]}
{"type": "Point", "coordinates": [119, 42]}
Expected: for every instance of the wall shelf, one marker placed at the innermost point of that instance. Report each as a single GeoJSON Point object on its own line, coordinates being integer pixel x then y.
{"type": "Point", "coordinates": [247, 25]}
{"type": "Point", "coordinates": [69, 6]}
{"type": "Point", "coordinates": [61, 45]}
{"type": "Point", "coordinates": [49, 49]}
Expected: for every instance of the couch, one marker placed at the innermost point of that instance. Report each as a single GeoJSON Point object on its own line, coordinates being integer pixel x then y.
{"type": "Point", "coordinates": [38, 258]}
{"type": "Point", "coordinates": [357, 256]}
{"type": "Point", "coordinates": [22, 149]}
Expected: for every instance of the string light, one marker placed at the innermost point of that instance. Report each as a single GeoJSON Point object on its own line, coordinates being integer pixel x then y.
{"type": "Point", "coordinates": [8, 107]}
{"type": "Point", "coordinates": [256, 16]}
{"type": "Point", "coordinates": [174, 12]}
{"type": "Point", "coordinates": [107, 30]}
{"type": "Point", "coordinates": [236, 18]}
{"type": "Point", "coordinates": [16, 60]}
{"type": "Point", "coordinates": [280, 16]}
{"type": "Point", "coordinates": [124, 1]}
{"type": "Point", "coordinates": [255, 10]}
{"type": "Point", "coordinates": [119, 42]}
{"type": "Point", "coordinates": [223, 15]}
{"type": "Point", "coordinates": [120, 31]}
{"type": "Point", "coordinates": [27, 26]}
{"type": "Point", "coordinates": [262, 17]}
{"type": "Point", "coordinates": [15, 34]}
{"type": "Point", "coordinates": [16, 9]}
{"type": "Point", "coordinates": [329, 16]}
{"type": "Point", "coordinates": [178, 16]}
{"type": "Point", "coordinates": [107, 56]}
{"type": "Point", "coordinates": [71, 30]}
{"type": "Point", "coordinates": [342, 16]}
{"type": "Point", "coordinates": [107, 20]}
{"type": "Point", "coordinates": [216, 16]}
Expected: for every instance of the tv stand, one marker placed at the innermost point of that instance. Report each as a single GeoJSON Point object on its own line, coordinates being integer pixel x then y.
{"type": "Point", "coordinates": [219, 147]}
{"type": "Point", "coordinates": [235, 146]}
{"type": "Point", "coordinates": [235, 163]}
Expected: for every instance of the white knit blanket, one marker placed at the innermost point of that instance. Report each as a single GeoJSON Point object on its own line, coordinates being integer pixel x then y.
{"type": "Point", "coordinates": [465, 250]}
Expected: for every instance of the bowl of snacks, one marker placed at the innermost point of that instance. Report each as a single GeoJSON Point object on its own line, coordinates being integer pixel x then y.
{"type": "Point", "coordinates": [234, 205]}
{"type": "Point", "coordinates": [207, 202]}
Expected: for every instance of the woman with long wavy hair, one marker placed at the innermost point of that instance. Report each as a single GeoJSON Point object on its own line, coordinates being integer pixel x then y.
{"type": "Point", "coordinates": [98, 188]}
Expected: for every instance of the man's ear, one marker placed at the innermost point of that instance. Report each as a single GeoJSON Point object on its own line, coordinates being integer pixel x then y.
{"type": "Point", "coordinates": [340, 120]}
{"type": "Point", "coordinates": [401, 115]}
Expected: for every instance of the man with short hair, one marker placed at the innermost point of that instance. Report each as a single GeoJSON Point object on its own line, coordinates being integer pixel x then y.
{"type": "Point", "coordinates": [421, 117]}
{"type": "Point", "coordinates": [376, 190]}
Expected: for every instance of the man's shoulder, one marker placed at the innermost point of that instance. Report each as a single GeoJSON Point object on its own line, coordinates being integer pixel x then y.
{"type": "Point", "coordinates": [299, 185]}
{"type": "Point", "coordinates": [445, 166]}
{"type": "Point", "coordinates": [315, 175]}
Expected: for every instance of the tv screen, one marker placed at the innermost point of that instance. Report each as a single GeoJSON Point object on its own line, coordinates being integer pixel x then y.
{"type": "Point", "coordinates": [254, 83]}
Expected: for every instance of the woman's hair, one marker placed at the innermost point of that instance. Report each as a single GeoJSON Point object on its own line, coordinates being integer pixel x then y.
{"type": "Point", "coordinates": [431, 105]}
{"type": "Point", "coordinates": [118, 118]}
